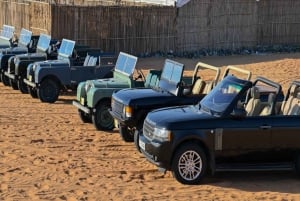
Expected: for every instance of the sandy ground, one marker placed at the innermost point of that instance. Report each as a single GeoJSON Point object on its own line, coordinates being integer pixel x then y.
{"type": "Point", "coordinates": [47, 153]}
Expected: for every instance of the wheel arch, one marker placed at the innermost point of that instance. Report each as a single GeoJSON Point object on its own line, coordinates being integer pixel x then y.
{"type": "Point", "coordinates": [200, 143]}
{"type": "Point", "coordinates": [103, 100]}
{"type": "Point", "coordinates": [141, 115]}
{"type": "Point", "coordinates": [108, 123]}
{"type": "Point", "coordinates": [54, 78]}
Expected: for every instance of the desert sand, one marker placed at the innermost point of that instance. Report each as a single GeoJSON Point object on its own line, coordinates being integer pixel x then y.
{"type": "Point", "coordinates": [47, 153]}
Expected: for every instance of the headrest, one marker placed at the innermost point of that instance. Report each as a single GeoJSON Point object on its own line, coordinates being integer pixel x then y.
{"type": "Point", "coordinates": [271, 97]}
{"type": "Point", "coordinates": [294, 90]}
{"type": "Point", "coordinates": [197, 86]}
{"type": "Point", "coordinates": [255, 92]}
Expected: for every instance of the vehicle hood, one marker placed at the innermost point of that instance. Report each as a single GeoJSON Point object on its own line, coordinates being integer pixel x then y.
{"type": "Point", "coordinates": [29, 56]}
{"type": "Point", "coordinates": [181, 117]}
{"type": "Point", "coordinates": [108, 83]}
{"type": "Point", "coordinates": [130, 96]}
{"type": "Point", "coordinates": [13, 50]}
{"type": "Point", "coordinates": [52, 63]}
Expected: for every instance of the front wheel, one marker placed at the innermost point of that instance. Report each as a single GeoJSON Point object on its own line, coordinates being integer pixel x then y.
{"type": "Point", "coordinates": [22, 86]}
{"type": "Point", "coordinates": [102, 119]}
{"type": "Point", "coordinates": [4, 79]}
{"type": "Point", "coordinates": [189, 164]}
{"type": "Point", "coordinates": [48, 91]}
{"type": "Point", "coordinates": [13, 84]}
{"type": "Point", "coordinates": [32, 92]}
{"type": "Point", "coordinates": [85, 118]}
{"type": "Point", "coordinates": [125, 133]}
{"type": "Point", "coordinates": [136, 139]}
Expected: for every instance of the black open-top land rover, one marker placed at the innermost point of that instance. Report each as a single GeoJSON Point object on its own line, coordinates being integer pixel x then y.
{"type": "Point", "coordinates": [26, 44]}
{"type": "Point", "coordinates": [232, 128]}
{"type": "Point", "coordinates": [130, 106]}
{"type": "Point", "coordinates": [6, 35]}
{"type": "Point", "coordinates": [17, 65]}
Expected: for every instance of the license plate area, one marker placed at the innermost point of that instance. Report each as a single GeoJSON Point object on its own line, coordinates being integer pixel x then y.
{"type": "Point", "coordinates": [82, 101]}
{"type": "Point", "coordinates": [142, 144]}
{"type": "Point", "coordinates": [116, 123]}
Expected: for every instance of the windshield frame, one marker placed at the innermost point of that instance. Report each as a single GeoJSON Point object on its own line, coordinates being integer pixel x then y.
{"type": "Point", "coordinates": [223, 96]}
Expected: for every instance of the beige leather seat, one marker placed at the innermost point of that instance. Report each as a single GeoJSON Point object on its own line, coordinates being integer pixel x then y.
{"type": "Point", "coordinates": [295, 105]}
{"type": "Point", "coordinates": [253, 106]}
{"type": "Point", "coordinates": [198, 87]}
{"type": "Point", "coordinates": [86, 60]}
{"type": "Point", "coordinates": [208, 87]}
{"type": "Point", "coordinates": [295, 110]}
{"type": "Point", "coordinates": [267, 110]}
{"type": "Point", "coordinates": [288, 106]}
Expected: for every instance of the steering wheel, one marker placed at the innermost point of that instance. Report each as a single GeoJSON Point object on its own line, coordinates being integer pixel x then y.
{"type": "Point", "coordinates": [141, 75]}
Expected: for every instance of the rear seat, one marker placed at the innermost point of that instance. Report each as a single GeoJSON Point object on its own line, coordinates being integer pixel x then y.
{"type": "Point", "coordinates": [90, 61]}
{"type": "Point", "coordinates": [291, 105]}
{"type": "Point", "coordinates": [152, 78]}
{"type": "Point", "coordinates": [295, 105]}
{"type": "Point", "coordinates": [267, 110]}
{"type": "Point", "coordinates": [86, 60]}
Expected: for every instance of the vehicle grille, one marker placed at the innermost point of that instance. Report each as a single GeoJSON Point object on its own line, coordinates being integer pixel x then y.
{"type": "Point", "coordinates": [117, 108]}
{"type": "Point", "coordinates": [32, 76]}
{"type": "Point", "coordinates": [148, 130]}
{"type": "Point", "coordinates": [11, 67]}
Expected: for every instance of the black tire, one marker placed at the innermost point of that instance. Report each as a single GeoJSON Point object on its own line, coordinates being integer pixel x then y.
{"type": "Point", "coordinates": [48, 91]}
{"type": "Point", "coordinates": [189, 164]}
{"type": "Point", "coordinates": [136, 139]}
{"type": "Point", "coordinates": [85, 118]}
{"type": "Point", "coordinates": [126, 134]}
{"type": "Point", "coordinates": [13, 84]}
{"type": "Point", "coordinates": [102, 119]}
{"type": "Point", "coordinates": [32, 92]}
{"type": "Point", "coordinates": [4, 79]}
{"type": "Point", "coordinates": [297, 164]}
{"type": "Point", "coordinates": [22, 86]}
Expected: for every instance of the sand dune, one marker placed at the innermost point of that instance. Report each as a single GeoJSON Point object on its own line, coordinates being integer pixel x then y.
{"type": "Point", "coordinates": [47, 153]}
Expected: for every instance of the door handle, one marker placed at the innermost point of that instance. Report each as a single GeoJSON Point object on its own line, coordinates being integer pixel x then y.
{"type": "Point", "coordinates": [265, 127]}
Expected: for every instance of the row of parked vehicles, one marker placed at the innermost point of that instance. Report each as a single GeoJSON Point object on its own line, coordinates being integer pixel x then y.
{"type": "Point", "coordinates": [44, 67]}
{"type": "Point", "coordinates": [190, 125]}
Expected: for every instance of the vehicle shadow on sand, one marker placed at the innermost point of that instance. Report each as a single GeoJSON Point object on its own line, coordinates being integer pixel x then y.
{"type": "Point", "coordinates": [272, 181]}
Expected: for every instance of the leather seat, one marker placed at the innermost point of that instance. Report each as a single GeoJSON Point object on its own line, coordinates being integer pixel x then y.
{"type": "Point", "coordinates": [267, 110]}
{"type": "Point", "coordinates": [198, 87]}
{"type": "Point", "coordinates": [208, 87]}
{"type": "Point", "coordinates": [288, 106]}
{"type": "Point", "coordinates": [253, 106]}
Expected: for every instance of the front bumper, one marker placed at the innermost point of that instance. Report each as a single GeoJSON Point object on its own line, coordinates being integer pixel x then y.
{"type": "Point", "coordinates": [82, 107]}
{"type": "Point", "coordinates": [11, 76]}
{"type": "Point", "coordinates": [29, 83]}
{"type": "Point", "coordinates": [158, 153]}
{"type": "Point", "coordinates": [128, 122]}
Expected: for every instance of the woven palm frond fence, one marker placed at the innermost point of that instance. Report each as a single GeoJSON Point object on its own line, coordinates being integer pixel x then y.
{"type": "Point", "coordinates": [144, 29]}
